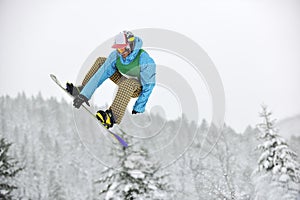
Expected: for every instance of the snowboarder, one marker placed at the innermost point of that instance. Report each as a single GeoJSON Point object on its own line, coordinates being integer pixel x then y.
{"type": "Point", "coordinates": [128, 66]}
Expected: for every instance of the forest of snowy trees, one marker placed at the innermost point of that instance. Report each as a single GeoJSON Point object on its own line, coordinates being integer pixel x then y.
{"type": "Point", "coordinates": [52, 161]}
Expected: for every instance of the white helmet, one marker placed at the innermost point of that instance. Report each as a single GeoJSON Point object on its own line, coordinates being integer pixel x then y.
{"type": "Point", "coordinates": [124, 39]}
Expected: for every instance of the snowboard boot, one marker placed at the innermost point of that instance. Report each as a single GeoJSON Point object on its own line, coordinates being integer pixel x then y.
{"type": "Point", "coordinates": [106, 118]}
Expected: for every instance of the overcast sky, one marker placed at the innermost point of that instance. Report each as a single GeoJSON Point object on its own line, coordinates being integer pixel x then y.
{"type": "Point", "coordinates": [255, 45]}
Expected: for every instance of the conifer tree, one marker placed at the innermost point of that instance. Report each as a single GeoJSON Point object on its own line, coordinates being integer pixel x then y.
{"type": "Point", "coordinates": [138, 178]}
{"type": "Point", "coordinates": [278, 172]}
{"type": "Point", "coordinates": [8, 170]}
{"type": "Point", "coordinates": [56, 191]}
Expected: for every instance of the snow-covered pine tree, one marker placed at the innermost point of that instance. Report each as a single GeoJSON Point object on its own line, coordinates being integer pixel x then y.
{"type": "Point", "coordinates": [8, 170]}
{"type": "Point", "coordinates": [56, 191]}
{"type": "Point", "coordinates": [278, 174]}
{"type": "Point", "coordinates": [136, 179]}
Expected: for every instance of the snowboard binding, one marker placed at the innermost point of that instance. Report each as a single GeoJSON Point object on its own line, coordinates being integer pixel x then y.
{"type": "Point", "coordinates": [106, 118]}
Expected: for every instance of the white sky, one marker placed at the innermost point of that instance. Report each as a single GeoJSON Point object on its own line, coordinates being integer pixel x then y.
{"type": "Point", "coordinates": [254, 44]}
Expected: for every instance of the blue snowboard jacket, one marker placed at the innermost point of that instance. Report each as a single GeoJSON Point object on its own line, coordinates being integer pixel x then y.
{"type": "Point", "coordinates": [146, 78]}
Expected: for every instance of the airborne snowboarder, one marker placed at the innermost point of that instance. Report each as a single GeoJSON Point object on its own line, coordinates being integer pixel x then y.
{"type": "Point", "coordinates": [128, 66]}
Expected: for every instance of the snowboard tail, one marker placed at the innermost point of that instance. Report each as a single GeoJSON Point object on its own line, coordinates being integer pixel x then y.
{"type": "Point", "coordinates": [118, 138]}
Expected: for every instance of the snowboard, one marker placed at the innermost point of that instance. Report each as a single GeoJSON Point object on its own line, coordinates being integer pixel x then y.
{"type": "Point", "coordinates": [114, 135]}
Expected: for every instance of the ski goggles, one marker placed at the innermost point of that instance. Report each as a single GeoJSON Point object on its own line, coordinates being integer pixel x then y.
{"type": "Point", "coordinates": [131, 39]}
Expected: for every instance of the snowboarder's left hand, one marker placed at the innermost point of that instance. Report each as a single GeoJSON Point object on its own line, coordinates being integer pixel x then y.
{"type": "Point", "coordinates": [79, 100]}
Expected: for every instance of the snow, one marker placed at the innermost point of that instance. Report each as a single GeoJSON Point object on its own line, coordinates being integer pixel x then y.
{"type": "Point", "coordinates": [276, 169]}
{"type": "Point", "coordinates": [136, 174]}
{"type": "Point", "coordinates": [267, 144]}
{"type": "Point", "coordinates": [280, 148]}
{"type": "Point", "coordinates": [264, 156]}
{"type": "Point", "coordinates": [266, 164]}
{"type": "Point", "coordinates": [282, 155]}
{"type": "Point", "coordinates": [127, 187]}
{"type": "Point", "coordinates": [283, 170]}
{"type": "Point", "coordinates": [129, 164]}
{"type": "Point", "coordinates": [110, 195]}
{"type": "Point", "coordinates": [3, 191]}
{"type": "Point", "coordinates": [284, 178]}
{"type": "Point", "coordinates": [294, 186]}
{"type": "Point", "coordinates": [290, 165]}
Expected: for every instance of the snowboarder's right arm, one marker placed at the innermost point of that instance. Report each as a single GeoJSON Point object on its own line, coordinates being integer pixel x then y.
{"type": "Point", "coordinates": [105, 71]}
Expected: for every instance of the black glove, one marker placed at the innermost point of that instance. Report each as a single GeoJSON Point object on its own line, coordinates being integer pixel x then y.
{"type": "Point", "coordinates": [79, 100]}
{"type": "Point", "coordinates": [73, 90]}
{"type": "Point", "coordinates": [69, 87]}
{"type": "Point", "coordinates": [134, 112]}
